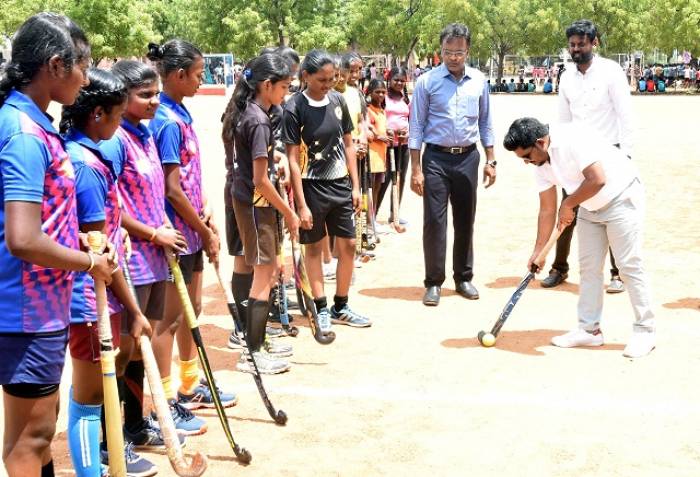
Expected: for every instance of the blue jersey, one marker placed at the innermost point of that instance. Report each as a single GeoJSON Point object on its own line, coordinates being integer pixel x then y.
{"type": "Point", "coordinates": [177, 144]}
{"type": "Point", "coordinates": [96, 190]}
{"type": "Point", "coordinates": [34, 167]}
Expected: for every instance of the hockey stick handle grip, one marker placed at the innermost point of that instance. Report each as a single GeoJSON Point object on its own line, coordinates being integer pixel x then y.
{"type": "Point", "coordinates": [113, 417]}
{"type": "Point", "coordinates": [547, 247]}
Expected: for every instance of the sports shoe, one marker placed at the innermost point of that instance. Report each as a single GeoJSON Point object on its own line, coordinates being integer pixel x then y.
{"type": "Point", "coordinates": [235, 341]}
{"type": "Point", "coordinates": [554, 279]}
{"type": "Point", "coordinates": [202, 397]}
{"type": "Point", "coordinates": [578, 337]}
{"type": "Point", "coordinates": [348, 317]}
{"type": "Point", "coordinates": [641, 343]}
{"type": "Point", "coordinates": [136, 466]}
{"type": "Point", "coordinates": [266, 364]}
{"type": "Point", "coordinates": [273, 332]}
{"type": "Point", "coordinates": [324, 320]}
{"type": "Point", "coordinates": [329, 268]}
{"type": "Point", "coordinates": [148, 436]}
{"type": "Point", "coordinates": [616, 286]}
{"type": "Point", "coordinates": [277, 350]}
{"type": "Point", "coordinates": [382, 229]}
{"type": "Point", "coordinates": [186, 423]}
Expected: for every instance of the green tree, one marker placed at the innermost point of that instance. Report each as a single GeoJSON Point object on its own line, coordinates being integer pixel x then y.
{"type": "Point", "coordinates": [116, 28]}
{"type": "Point", "coordinates": [302, 24]}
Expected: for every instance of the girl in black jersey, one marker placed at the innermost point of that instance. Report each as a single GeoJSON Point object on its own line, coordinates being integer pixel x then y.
{"type": "Point", "coordinates": [263, 84]}
{"type": "Point", "coordinates": [317, 130]}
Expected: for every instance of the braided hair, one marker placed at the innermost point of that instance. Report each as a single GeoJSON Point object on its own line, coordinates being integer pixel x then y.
{"type": "Point", "coordinates": [105, 90]}
{"type": "Point", "coordinates": [40, 38]}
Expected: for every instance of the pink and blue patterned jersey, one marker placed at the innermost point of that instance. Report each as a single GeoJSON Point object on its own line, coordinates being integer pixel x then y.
{"type": "Point", "coordinates": [142, 193]}
{"type": "Point", "coordinates": [97, 200]}
{"type": "Point", "coordinates": [34, 167]}
{"type": "Point", "coordinates": [177, 144]}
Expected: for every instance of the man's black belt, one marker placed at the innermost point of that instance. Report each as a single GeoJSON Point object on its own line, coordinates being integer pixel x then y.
{"type": "Point", "coordinates": [452, 150]}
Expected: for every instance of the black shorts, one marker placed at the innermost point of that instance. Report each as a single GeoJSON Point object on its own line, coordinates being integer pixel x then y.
{"type": "Point", "coordinates": [151, 298]}
{"type": "Point", "coordinates": [233, 236]}
{"type": "Point", "coordinates": [330, 203]}
{"type": "Point", "coordinates": [189, 264]}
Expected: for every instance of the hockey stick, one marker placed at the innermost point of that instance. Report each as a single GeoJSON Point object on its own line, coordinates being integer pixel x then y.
{"type": "Point", "coordinates": [281, 290]}
{"type": "Point", "coordinates": [113, 416]}
{"type": "Point", "coordinates": [173, 449]}
{"type": "Point", "coordinates": [489, 339]}
{"type": "Point", "coordinates": [279, 416]}
{"type": "Point", "coordinates": [304, 295]}
{"type": "Point", "coordinates": [242, 454]}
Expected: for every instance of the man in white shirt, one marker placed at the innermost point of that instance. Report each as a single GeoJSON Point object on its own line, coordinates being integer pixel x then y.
{"type": "Point", "coordinates": [604, 185]}
{"type": "Point", "coordinates": [595, 92]}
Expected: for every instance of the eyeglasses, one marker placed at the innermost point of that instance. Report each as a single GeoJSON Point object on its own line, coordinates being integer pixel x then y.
{"type": "Point", "coordinates": [454, 54]}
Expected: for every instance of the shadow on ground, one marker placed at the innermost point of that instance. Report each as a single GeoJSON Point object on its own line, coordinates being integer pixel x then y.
{"type": "Point", "coordinates": [402, 293]}
{"type": "Point", "coordinates": [521, 342]}
{"type": "Point", "coordinates": [688, 303]}
{"type": "Point", "coordinates": [513, 282]}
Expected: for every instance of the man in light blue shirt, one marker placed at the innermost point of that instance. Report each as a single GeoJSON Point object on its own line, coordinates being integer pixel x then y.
{"type": "Point", "coordinates": [450, 113]}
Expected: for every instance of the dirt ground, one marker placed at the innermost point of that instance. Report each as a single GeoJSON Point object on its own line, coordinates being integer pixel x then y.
{"type": "Point", "coordinates": [416, 394]}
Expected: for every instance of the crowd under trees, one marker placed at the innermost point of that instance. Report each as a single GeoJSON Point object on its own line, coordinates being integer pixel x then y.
{"type": "Point", "coordinates": [122, 28]}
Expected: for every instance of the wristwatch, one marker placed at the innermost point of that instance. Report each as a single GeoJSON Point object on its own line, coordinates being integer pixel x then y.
{"type": "Point", "coordinates": [491, 163]}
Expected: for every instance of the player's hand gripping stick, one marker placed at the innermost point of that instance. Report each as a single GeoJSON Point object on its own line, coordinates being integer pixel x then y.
{"type": "Point", "coordinates": [489, 339]}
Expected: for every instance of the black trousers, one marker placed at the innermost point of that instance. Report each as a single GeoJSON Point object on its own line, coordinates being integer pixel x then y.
{"type": "Point", "coordinates": [561, 263]}
{"type": "Point", "coordinates": [452, 178]}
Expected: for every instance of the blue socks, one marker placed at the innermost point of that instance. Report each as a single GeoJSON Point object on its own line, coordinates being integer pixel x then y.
{"type": "Point", "coordinates": [84, 437]}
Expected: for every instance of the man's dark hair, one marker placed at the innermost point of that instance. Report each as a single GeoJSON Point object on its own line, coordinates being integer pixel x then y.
{"type": "Point", "coordinates": [524, 132]}
{"type": "Point", "coordinates": [582, 28]}
{"type": "Point", "coordinates": [456, 30]}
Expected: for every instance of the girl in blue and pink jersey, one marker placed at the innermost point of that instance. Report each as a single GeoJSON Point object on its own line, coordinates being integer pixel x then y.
{"type": "Point", "coordinates": [39, 243]}
{"type": "Point", "coordinates": [180, 65]}
{"type": "Point", "coordinates": [142, 192]}
{"type": "Point", "coordinates": [94, 117]}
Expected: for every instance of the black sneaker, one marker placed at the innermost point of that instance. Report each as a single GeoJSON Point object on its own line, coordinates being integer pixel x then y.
{"type": "Point", "coordinates": [554, 279]}
{"type": "Point", "coordinates": [149, 436]}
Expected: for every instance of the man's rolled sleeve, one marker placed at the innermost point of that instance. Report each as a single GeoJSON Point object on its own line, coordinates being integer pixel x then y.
{"type": "Point", "coordinates": [485, 120]}
{"type": "Point", "coordinates": [418, 116]}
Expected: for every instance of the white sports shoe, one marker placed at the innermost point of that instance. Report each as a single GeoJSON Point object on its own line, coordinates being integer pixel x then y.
{"type": "Point", "coordinates": [577, 337]}
{"type": "Point", "coordinates": [640, 344]}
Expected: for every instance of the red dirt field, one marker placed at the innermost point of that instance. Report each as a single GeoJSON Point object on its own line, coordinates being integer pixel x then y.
{"type": "Point", "coordinates": [416, 395]}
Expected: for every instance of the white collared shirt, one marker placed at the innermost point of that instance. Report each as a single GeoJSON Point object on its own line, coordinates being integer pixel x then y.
{"type": "Point", "coordinates": [573, 147]}
{"type": "Point", "coordinates": [600, 97]}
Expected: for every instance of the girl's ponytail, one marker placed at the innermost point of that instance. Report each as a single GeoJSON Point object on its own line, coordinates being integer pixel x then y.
{"type": "Point", "coordinates": [268, 66]}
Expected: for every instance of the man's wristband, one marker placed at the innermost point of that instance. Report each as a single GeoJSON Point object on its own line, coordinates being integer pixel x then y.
{"type": "Point", "coordinates": [491, 163]}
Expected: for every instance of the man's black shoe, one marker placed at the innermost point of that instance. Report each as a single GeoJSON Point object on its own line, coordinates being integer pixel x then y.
{"type": "Point", "coordinates": [432, 296]}
{"type": "Point", "coordinates": [467, 290]}
{"type": "Point", "coordinates": [555, 278]}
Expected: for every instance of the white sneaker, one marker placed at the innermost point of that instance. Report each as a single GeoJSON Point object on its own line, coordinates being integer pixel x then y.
{"type": "Point", "coordinates": [329, 268]}
{"type": "Point", "coordinates": [640, 344]}
{"type": "Point", "coordinates": [577, 337]}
